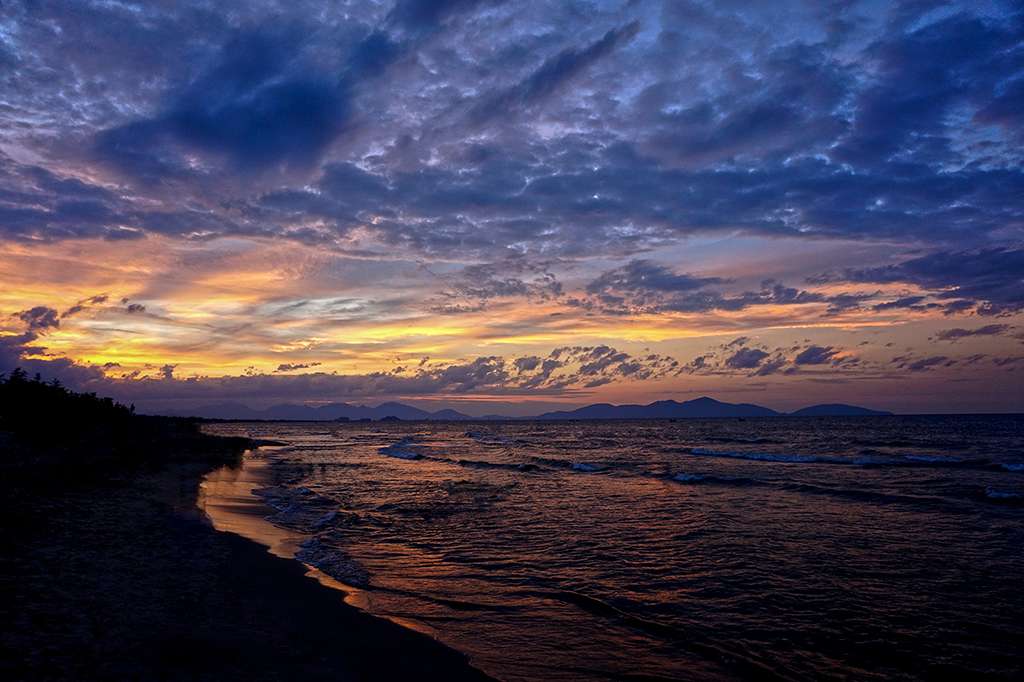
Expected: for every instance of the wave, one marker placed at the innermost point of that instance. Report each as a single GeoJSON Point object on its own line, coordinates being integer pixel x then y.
{"type": "Point", "coordinates": [709, 479]}
{"type": "Point", "coordinates": [601, 608]}
{"type": "Point", "coordinates": [303, 509]}
{"type": "Point", "coordinates": [757, 456]}
{"type": "Point", "coordinates": [741, 439]}
{"type": "Point", "coordinates": [924, 443]}
{"type": "Point", "coordinates": [933, 459]}
{"type": "Point", "coordinates": [486, 438]}
{"type": "Point", "coordinates": [746, 665]}
{"type": "Point", "coordinates": [587, 467]}
{"type": "Point", "coordinates": [867, 460]}
{"type": "Point", "coordinates": [862, 495]}
{"type": "Point", "coordinates": [334, 562]}
{"type": "Point", "coordinates": [402, 449]}
{"type": "Point", "coordinates": [583, 467]}
{"type": "Point", "coordinates": [481, 464]}
{"type": "Point", "coordinates": [1004, 495]}
{"type": "Point", "coordinates": [1013, 466]}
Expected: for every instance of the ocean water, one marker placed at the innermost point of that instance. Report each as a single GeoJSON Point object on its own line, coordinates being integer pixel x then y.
{"type": "Point", "coordinates": [820, 548]}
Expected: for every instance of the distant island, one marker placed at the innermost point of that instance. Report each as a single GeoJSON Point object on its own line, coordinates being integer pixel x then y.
{"type": "Point", "coordinates": [703, 408]}
{"type": "Point", "coordinates": [699, 408]}
{"type": "Point", "coordinates": [838, 410]}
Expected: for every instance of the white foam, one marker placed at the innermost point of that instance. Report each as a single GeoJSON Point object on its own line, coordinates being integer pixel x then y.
{"type": "Point", "coordinates": [1001, 494]}
{"type": "Point", "coordinates": [930, 458]}
{"type": "Point", "coordinates": [401, 450]}
{"type": "Point", "coordinates": [485, 438]}
{"type": "Point", "coordinates": [334, 562]}
{"type": "Point", "coordinates": [586, 466]}
{"type": "Point", "coordinates": [325, 519]}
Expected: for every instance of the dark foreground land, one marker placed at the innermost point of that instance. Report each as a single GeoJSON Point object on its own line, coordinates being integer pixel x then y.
{"type": "Point", "coordinates": [108, 570]}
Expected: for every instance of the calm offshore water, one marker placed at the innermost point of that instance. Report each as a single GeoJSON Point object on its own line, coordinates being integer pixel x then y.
{"type": "Point", "coordinates": [827, 548]}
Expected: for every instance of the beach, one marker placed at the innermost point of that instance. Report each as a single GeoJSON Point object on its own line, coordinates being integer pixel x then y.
{"type": "Point", "coordinates": [123, 577]}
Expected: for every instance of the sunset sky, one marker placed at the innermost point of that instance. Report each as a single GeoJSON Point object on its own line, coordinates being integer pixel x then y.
{"type": "Point", "coordinates": [506, 206]}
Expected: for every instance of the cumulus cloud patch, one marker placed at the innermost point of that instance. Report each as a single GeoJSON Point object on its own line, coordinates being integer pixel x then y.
{"type": "Point", "coordinates": [39, 317]}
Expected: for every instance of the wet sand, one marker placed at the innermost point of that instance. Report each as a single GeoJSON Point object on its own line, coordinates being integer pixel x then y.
{"type": "Point", "coordinates": [127, 579]}
{"type": "Point", "coordinates": [227, 500]}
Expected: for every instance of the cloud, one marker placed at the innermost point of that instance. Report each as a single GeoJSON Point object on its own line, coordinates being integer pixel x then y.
{"type": "Point", "coordinates": [958, 333]}
{"type": "Point", "coordinates": [816, 355]}
{"type": "Point", "coordinates": [550, 76]}
{"type": "Point", "coordinates": [290, 367]}
{"type": "Point", "coordinates": [565, 370]}
{"type": "Point", "coordinates": [426, 14]}
{"type": "Point", "coordinates": [83, 304]}
{"type": "Point", "coordinates": [923, 73]}
{"type": "Point", "coordinates": [645, 276]}
{"type": "Point", "coordinates": [746, 358]}
{"type": "Point", "coordinates": [857, 136]}
{"type": "Point", "coordinates": [39, 318]}
{"type": "Point", "coordinates": [908, 302]}
{"type": "Point", "coordinates": [771, 366]}
{"type": "Point", "coordinates": [642, 286]}
{"type": "Point", "coordinates": [475, 286]}
{"type": "Point", "coordinates": [925, 364]}
{"type": "Point", "coordinates": [736, 358]}
{"type": "Point", "coordinates": [988, 280]}
{"type": "Point", "coordinates": [572, 156]}
{"type": "Point", "coordinates": [256, 105]}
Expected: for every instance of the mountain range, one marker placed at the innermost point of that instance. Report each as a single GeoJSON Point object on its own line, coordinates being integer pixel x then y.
{"type": "Point", "coordinates": [699, 408]}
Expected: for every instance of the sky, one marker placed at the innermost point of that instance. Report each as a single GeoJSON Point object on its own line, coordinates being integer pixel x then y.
{"type": "Point", "coordinates": [510, 206]}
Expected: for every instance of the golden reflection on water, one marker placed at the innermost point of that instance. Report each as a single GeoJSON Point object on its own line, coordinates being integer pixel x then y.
{"type": "Point", "coordinates": [226, 498]}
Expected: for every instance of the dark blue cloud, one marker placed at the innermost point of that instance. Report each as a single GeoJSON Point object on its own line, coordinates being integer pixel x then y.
{"type": "Point", "coordinates": [257, 105]}
{"type": "Point", "coordinates": [746, 358]}
{"type": "Point", "coordinates": [426, 14]}
{"type": "Point", "coordinates": [550, 76]}
{"type": "Point", "coordinates": [922, 74]}
{"type": "Point", "coordinates": [926, 364]}
{"type": "Point", "coordinates": [476, 285]}
{"type": "Point", "coordinates": [646, 276]}
{"type": "Point", "coordinates": [475, 131]}
{"type": "Point", "coordinates": [906, 302]}
{"type": "Point", "coordinates": [642, 286]}
{"type": "Point", "coordinates": [990, 280]}
{"type": "Point", "coordinates": [39, 318]}
{"type": "Point", "coordinates": [958, 333]}
{"type": "Point", "coordinates": [816, 355]}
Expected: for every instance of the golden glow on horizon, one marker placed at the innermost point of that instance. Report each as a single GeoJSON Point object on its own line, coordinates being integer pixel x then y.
{"type": "Point", "coordinates": [228, 306]}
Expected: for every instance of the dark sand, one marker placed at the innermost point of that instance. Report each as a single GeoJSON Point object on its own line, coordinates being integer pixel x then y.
{"type": "Point", "coordinates": [127, 580]}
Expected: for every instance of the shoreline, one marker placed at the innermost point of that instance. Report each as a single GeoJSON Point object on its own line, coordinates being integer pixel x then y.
{"type": "Point", "coordinates": [127, 579]}
{"type": "Point", "coordinates": [227, 500]}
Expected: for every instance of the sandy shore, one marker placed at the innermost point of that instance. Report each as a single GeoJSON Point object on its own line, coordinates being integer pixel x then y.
{"type": "Point", "coordinates": [128, 580]}
{"type": "Point", "coordinates": [227, 500]}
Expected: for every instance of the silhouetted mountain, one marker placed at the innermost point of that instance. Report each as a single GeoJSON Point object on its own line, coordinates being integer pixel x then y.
{"type": "Point", "coordinates": [838, 410]}
{"type": "Point", "coordinates": [452, 415]}
{"type": "Point", "coordinates": [699, 408]}
{"type": "Point", "coordinates": [328, 412]}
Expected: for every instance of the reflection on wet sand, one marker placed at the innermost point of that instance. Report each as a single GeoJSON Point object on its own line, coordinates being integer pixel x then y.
{"type": "Point", "coordinates": [227, 499]}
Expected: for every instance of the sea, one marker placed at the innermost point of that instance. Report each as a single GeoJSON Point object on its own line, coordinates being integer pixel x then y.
{"type": "Point", "coordinates": [777, 548]}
